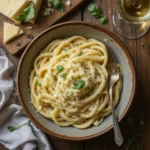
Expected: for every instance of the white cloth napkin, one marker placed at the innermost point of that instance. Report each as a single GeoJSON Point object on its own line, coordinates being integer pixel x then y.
{"type": "Point", "coordinates": [28, 137]}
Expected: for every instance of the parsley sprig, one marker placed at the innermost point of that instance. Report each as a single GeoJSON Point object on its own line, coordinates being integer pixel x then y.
{"type": "Point", "coordinates": [96, 12]}
{"type": "Point", "coordinates": [79, 84]}
{"type": "Point", "coordinates": [57, 4]}
{"type": "Point", "coordinates": [27, 14]}
{"type": "Point", "coordinates": [64, 75]}
{"type": "Point", "coordinates": [60, 68]}
{"type": "Point", "coordinates": [12, 128]}
{"type": "Point", "coordinates": [135, 135]}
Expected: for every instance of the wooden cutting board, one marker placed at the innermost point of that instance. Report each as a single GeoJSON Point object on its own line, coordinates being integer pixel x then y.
{"type": "Point", "coordinates": [42, 23]}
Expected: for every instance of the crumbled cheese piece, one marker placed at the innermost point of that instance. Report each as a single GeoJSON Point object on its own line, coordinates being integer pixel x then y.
{"type": "Point", "coordinates": [68, 3]}
{"type": "Point", "coordinates": [29, 28]}
{"type": "Point", "coordinates": [106, 40]}
{"type": "Point", "coordinates": [96, 123]}
{"type": "Point", "coordinates": [47, 11]}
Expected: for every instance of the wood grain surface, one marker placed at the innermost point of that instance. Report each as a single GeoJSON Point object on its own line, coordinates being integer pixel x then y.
{"type": "Point", "coordinates": [140, 110]}
{"type": "Point", "coordinates": [42, 23]}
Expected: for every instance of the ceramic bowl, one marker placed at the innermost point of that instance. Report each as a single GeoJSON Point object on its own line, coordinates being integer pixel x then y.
{"type": "Point", "coordinates": [64, 30]}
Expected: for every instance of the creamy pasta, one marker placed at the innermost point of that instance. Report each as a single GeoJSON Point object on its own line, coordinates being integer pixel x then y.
{"type": "Point", "coordinates": [69, 82]}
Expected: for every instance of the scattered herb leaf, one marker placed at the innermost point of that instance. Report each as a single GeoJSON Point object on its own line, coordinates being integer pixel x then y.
{"type": "Point", "coordinates": [95, 11]}
{"type": "Point", "coordinates": [142, 123]}
{"type": "Point", "coordinates": [57, 4]}
{"type": "Point", "coordinates": [134, 138]}
{"type": "Point", "coordinates": [103, 20]}
{"type": "Point", "coordinates": [72, 77]}
{"type": "Point", "coordinates": [39, 84]}
{"type": "Point", "coordinates": [12, 128]}
{"type": "Point", "coordinates": [130, 120]}
{"type": "Point", "coordinates": [65, 49]}
{"type": "Point", "coordinates": [79, 84]}
{"type": "Point", "coordinates": [27, 14]}
{"type": "Point", "coordinates": [64, 75]}
{"type": "Point", "coordinates": [60, 68]}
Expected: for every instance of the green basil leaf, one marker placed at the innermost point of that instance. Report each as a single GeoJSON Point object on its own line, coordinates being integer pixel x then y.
{"type": "Point", "coordinates": [96, 14]}
{"type": "Point", "coordinates": [28, 13]}
{"type": "Point", "coordinates": [92, 7]}
{"type": "Point", "coordinates": [79, 84]}
{"type": "Point", "coordinates": [57, 4]}
{"type": "Point", "coordinates": [103, 20]}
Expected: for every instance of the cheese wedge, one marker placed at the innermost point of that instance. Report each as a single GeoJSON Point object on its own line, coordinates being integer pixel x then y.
{"type": "Point", "coordinates": [11, 31]}
{"type": "Point", "coordinates": [37, 6]}
{"type": "Point", "coordinates": [13, 8]}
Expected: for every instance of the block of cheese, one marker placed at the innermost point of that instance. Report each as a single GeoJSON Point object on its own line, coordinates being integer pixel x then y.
{"type": "Point", "coordinates": [11, 31]}
{"type": "Point", "coordinates": [37, 6]}
{"type": "Point", "coordinates": [13, 8]}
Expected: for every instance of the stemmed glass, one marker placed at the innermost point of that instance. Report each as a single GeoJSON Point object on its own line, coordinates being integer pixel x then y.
{"type": "Point", "coordinates": [131, 18]}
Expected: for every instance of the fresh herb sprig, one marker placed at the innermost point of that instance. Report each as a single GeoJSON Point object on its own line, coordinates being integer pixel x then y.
{"type": "Point", "coordinates": [12, 128]}
{"type": "Point", "coordinates": [135, 135]}
{"type": "Point", "coordinates": [57, 4]}
{"type": "Point", "coordinates": [133, 139]}
{"type": "Point", "coordinates": [27, 14]}
{"type": "Point", "coordinates": [96, 12]}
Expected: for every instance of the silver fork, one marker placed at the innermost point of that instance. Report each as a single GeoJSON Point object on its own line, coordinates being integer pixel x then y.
{"type": "Point", "coordinates": [114, 76]}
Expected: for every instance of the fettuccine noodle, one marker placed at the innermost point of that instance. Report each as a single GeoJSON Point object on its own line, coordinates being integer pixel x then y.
{"type": "Point", "coordinates": [69, 82]}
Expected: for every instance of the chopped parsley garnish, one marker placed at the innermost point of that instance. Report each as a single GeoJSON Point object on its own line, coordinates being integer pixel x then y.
{"type": "Point", "coordinates": [12, 128]}
{"type": "Point", "coordinates": [60, 68]}
{"type": "Point", "coordinates": [27, 14]}
{"type": "Point", "coordinates": [39, 84]}
{"type": "Point", "coordinates": [79, 84]}
{"type": "Point", "coordinates": [65, 49]}
{"type": "Point", "coordinates": [64, 75]}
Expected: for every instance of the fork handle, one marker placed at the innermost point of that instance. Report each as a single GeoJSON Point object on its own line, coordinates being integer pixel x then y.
{"type": "Point", "coordinates": [117, 132]}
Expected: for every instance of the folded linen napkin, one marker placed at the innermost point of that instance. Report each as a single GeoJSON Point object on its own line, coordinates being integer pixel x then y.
{"type": "Point", "coordinates": [28, 137]}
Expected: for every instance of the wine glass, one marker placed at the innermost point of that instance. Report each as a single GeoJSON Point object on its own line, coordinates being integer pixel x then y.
{"type": "Point", "coordinates": [131, 18]}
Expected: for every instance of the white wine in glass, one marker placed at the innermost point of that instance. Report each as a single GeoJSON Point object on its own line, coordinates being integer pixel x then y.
{"type": "Point", "coordinates": [131, 18]}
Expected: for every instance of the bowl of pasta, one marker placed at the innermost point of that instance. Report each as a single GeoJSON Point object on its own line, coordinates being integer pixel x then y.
{"type": "Point", "coordinates": [63, 80]}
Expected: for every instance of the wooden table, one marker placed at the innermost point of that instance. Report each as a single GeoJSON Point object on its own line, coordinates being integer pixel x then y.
{"type": "Point", "coordinates": [140, 51]}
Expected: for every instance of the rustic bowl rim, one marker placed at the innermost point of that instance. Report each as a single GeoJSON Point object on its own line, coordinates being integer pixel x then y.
{"type": "Point", "coordinates": [116, 39]}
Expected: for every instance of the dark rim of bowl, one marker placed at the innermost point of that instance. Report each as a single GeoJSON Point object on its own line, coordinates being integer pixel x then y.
{"type": "Point", "coordinates": [116, 39]}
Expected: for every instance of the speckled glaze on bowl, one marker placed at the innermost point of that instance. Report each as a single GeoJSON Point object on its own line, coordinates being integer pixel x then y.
{"type": "Point", "coordinates": [64, 30]}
